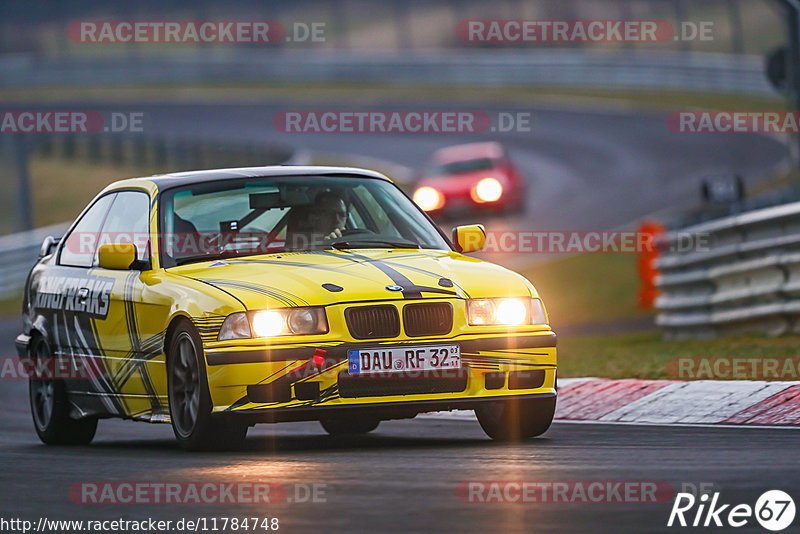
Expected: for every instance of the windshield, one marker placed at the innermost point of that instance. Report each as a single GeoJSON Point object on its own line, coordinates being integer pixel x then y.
{"type": "Point", "coordinates": [230, 218]}
{"type": "Point", "coordinates": [461, 167]}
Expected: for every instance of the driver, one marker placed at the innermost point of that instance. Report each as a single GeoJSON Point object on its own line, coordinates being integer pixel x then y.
{"type": "Point", "coordinates": [329, 215]}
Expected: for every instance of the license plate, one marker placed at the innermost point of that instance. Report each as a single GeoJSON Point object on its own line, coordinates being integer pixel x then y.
{"type": "Point", "coordinates": [403, 359]}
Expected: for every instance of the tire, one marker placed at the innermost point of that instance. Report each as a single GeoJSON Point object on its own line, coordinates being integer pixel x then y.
{"type": "Point", "coordinates": [50, 407]}
{"type": "Point", "coordinates": [189, 399]}
{"type": "Point", "coordinates": [516, 420]}
{"type": "Point", "coordinates": [341, 427]}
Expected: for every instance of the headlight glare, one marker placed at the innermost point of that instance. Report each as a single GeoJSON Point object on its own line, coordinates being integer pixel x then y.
{"type": "Point", "coordinates": [511, 312]}
{"type": "Point", "coordinates": [268, 323]}
{"type": "Point", "coordinates": [428, 198]}
{"type": "Point", "coordinates": [487, 190]}
{"type": "Point", "coordinates": [505, 312]}
{"type": "Point", "coordinates": [273, 323]}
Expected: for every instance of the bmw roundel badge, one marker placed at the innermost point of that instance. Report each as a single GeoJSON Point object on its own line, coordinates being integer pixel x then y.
{"type": "Point", "coordinates": [394, 288]}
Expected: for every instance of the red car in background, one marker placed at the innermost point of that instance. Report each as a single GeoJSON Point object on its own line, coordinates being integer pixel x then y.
{"type": "Point", "coordinates": [471, 177]}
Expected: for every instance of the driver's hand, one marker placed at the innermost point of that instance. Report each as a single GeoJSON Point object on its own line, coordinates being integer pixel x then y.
{"type": "Point", "coordinates": [335, 234]}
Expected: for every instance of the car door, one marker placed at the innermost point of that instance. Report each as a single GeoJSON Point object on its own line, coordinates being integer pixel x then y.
{"type": "Point", "coordinates": [70, 299]}
{"type": "Point", "coordinates": [131, 333]}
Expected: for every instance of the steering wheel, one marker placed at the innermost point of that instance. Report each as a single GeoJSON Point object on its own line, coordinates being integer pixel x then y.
{"type": "Point", "coordinates": [354, 231]}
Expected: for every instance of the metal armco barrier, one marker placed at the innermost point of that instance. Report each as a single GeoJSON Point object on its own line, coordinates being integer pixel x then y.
{"type": "Point", "coordinates": [735, 275]}
{"type": "Point", "coordinates": [743, 74]}
{"type": "Point", "coordinates": [18, 253]}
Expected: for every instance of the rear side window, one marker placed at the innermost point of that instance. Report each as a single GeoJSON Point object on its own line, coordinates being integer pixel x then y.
{"type": "Point", "coordinates": [80, 245]}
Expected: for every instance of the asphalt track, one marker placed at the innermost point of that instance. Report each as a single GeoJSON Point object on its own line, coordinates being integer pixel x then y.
{"type": "Point", "coordinates": [587, 170]}
{"type": "Point", "coordinates": [403, 478]}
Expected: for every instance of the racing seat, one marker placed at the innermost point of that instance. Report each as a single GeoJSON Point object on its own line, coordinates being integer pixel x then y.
{"type": "Point", "coordinates": [188, 238]}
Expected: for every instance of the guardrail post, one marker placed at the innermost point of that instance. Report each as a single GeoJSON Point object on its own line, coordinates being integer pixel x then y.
{"type": "Point", "coordinates": [24, 208]}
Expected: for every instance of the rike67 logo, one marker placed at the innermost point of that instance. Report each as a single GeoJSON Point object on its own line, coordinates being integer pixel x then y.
{"type": "Point", "coordinates": [774, 510]}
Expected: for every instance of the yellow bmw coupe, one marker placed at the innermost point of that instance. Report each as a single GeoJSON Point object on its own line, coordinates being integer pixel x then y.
{"type": "Point", "coordinates": [214, 300]}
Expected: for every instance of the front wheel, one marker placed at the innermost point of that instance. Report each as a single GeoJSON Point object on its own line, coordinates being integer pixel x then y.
{"type": "Point", "coordinates": [516, 419]}
{"type": "Point", "coordinates": [189, 398]}
{"type": "Point", "coordinates": [50, 407]}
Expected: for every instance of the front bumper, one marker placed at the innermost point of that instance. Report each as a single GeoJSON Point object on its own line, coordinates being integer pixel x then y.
{"type": "Point", "coordinates": [300, 382]}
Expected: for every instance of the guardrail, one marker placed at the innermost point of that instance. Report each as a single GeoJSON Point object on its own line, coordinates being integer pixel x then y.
{"type": "Point", "coordinates": [739, 274]}
{"type": "Point", "coordinates": [697, 71]}
{"type": "Point", "coordinates": [18, 253]}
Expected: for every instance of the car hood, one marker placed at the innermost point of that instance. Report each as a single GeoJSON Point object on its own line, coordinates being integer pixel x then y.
{"type": "Point", "coordinates": [321, 278]}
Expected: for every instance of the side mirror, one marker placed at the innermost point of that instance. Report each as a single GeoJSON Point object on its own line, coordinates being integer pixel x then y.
{"type": "Point", "coordinates": [117, 256]}
{"type": "Point", "coordinates": [471, 238]}
{"type": "Point", "coordinates": [48, 245]}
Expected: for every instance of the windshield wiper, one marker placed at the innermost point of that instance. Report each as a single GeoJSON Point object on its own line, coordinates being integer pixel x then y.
{"type": "Point", "coordinates": [365, 243]}
{"type": "Point", "coordinates": [196, 259]}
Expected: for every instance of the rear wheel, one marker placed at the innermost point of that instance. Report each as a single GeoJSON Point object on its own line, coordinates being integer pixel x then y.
{"type": "Point", "coordinates": [516, 419]}
{"type": "Point", "coordinates": [338, 427]}
{"type": "Point", "coordinates": [189, 398]}
{"type": "Point", "coordinates": [50, 407]}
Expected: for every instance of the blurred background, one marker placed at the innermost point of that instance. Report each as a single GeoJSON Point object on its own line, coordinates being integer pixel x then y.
{"type": "Point", "coordinates": [599, 154]}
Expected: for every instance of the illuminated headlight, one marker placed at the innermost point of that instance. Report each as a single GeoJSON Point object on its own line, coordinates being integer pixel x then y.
{"type": "Point", "coordinates": [428, 198]}
{"type": "Point", "coordinates": [505, 312]}
{"type": "Point", "coordinates": [272, 323]}
{"type": "Point", "coordinates": [487, 190]}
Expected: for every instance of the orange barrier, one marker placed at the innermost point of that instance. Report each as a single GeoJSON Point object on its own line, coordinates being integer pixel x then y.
{"type": "Point", "coordinates": [646, 263]}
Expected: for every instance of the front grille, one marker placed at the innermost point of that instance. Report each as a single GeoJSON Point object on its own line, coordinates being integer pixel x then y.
{"type": "Point", "coordinates": [373, 322]}
{"type": "Point", "coordinates": [429, 382]}
{"type": "Point", "coordinates": [428, 319]}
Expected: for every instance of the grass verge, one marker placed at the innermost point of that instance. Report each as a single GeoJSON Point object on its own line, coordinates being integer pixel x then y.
{"type": "Point", "coordinates": [646, 355]}
{"type": "Point", "coordinates": [588, 288]}
{"type": "Point", "coordinates": [366, 94]}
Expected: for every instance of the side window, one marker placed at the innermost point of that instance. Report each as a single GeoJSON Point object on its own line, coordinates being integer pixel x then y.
{"type": "Point", "coordinates": [80, 245]}
{"type": "Point", "coordinates": [128, 222]}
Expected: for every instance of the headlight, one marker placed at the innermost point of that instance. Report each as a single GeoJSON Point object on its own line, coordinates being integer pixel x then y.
{"type": "Point", "coordinates": [428, 198]}
{"type": "Point", "coordinates": [505, 312]}
{"type": "Point", "coordinates": [268, 323]}
{"type": "Point", "coordinates": [487, 190]}
{"type": "Point", "coordinates": [235, 326]}
{"type": "Point", "coordinates": [272, 323]}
